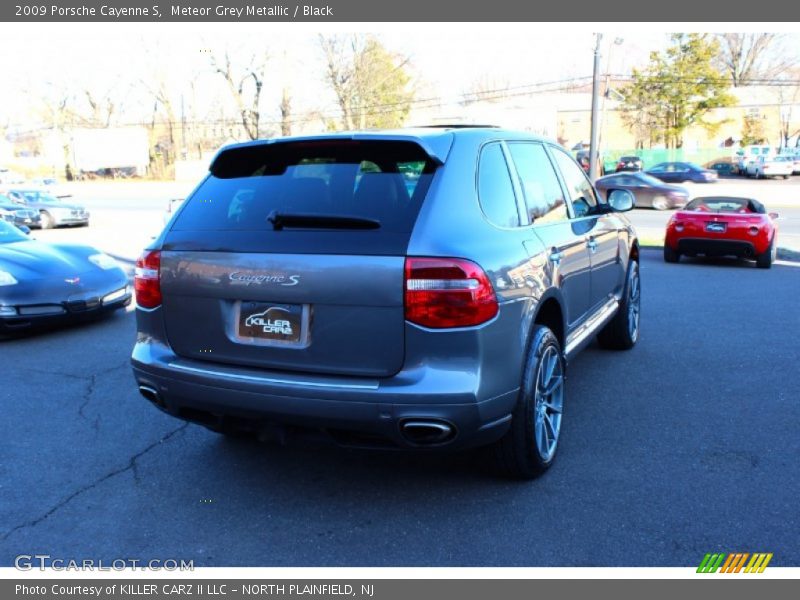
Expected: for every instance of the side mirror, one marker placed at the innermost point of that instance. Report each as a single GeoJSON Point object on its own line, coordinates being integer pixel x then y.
{"type": "Point", "coordinates": [620, 200]}
{"type": "Point", "coordinates": [773, 216]}
{"type": "Point", "coordinates": [24, 229]}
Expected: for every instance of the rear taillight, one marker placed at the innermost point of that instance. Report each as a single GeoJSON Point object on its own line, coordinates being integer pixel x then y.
{"type": "Point", "coordinates": [147, 279]}
{"type": "Point", "coordinates": [620, 165]}
{"type": "Point", "coordinates": [447, 292]}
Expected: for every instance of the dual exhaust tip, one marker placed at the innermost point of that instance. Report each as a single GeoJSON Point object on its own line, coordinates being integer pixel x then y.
{"type": "Point", "coordinates": [427, 432]}
{"type": "Point", "coordinates": [152, 395]}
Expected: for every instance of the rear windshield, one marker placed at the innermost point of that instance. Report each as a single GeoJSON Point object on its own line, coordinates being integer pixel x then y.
{"type": "Point", "coordinates": [378, 180]}
{"type": "Point", "coordinates": [725, 205]}
{"type": "Point", "coordinates": [384, 182]}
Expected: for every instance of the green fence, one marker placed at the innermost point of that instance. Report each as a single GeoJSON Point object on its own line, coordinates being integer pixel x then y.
{"type": "Point", "coordinates": [652, 157]}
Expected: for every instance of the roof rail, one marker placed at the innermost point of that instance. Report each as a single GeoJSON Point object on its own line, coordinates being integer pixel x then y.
{"type": "Point", "coordinates": [458, 126]}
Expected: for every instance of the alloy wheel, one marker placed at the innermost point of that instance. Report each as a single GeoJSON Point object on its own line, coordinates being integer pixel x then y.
{"type": "Point", "coordinates": [634, 302]}
{"type": "Point", "coordinates": [548, 403]}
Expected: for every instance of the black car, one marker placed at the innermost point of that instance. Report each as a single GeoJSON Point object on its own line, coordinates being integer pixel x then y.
{"type": "Point", "coordinates": [18, 215]}
{"type": "Point", "coordinates": [629, 163]}
{"type": "Point", "coordinates": [648, 191]}
{"type": "Point", "coordinates": [680, 172]}
{"type": "Point", "coordinates": [43, 283]}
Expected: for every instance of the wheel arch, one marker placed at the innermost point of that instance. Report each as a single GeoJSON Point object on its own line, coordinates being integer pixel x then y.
{"type": "Point", "coordinates": [550, 313]}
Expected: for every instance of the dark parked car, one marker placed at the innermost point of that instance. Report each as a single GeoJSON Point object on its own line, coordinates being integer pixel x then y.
{"type": "Point", "coordinates": [304, 285]}
{"type": "Point", "coordinates": [43, 283]}
{"type": "Point", "coordinates": [629, 163]}
{"type": "Point", "coordinates": [54, 212]}
{"type": "Point", "coordinates": [648, 191]}
{"type": "Point", "coordinates": [680, 172]}
{"type": "Point", "coordinates": [18, 215]}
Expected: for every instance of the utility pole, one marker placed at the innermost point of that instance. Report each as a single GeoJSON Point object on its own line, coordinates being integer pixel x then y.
{"type": "Point", "coordinates": [593, 150]}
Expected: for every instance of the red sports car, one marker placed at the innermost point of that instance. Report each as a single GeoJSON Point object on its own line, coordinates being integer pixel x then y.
{"type": "Point", "coordinates": [722, 226]}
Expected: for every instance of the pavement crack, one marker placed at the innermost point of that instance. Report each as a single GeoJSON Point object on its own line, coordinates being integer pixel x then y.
{"type": "Point", "coordinates": [33, 371]}
{"type": "Point", "coordinates": [131, 466]}
{"type": "Point", "coordinates": [87, 396]}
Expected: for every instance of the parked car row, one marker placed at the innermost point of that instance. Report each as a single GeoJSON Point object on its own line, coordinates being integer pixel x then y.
{"type": "Point", "coordinates": [38, 208]}
{"type": "Point", "coordinates": [760, 160]}
{"type": "Point", "coordinates": [770, 166]}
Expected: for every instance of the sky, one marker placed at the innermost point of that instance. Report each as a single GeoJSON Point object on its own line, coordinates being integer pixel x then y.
{"type": "Point", "coordinates": [445, 59]}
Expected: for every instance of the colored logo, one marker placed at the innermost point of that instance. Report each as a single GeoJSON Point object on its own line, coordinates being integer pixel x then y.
{"type": "Point", "coordinates": [735, 563]}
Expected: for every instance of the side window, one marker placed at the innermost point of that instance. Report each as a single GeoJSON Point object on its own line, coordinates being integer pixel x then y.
{"type": "Point", "coordinates": [495, 190]}
{"type": "Point", "coordinates": [580, 190]}
{"type": "Point", "coordinates": [544, 197]}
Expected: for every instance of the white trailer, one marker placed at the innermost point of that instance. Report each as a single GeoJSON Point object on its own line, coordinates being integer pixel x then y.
{"type": "Point", "coordinates": [122, 151]}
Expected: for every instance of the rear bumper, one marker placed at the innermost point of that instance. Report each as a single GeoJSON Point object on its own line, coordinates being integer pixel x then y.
{"type": "Point", "coordinates": [716, 247]}
{"type": "Point", "coordinates": [71, 221]}
{"type": "Point", "coordinates": [59, 314]}
{"type": "Point", "coordinates": [366, 412]}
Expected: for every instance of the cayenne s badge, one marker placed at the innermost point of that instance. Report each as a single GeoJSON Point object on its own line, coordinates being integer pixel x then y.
{"type": "Point", "coordinates": [238, 278]}
{"type": "Point", "coordinates": [73, 280]}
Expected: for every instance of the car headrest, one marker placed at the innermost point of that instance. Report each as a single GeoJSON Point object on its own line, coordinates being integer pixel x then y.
{"type": "Point", "coordinates": [306, 194]}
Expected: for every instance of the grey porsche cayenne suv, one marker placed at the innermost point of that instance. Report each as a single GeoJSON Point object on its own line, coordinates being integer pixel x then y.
{"type": "Point", "coordinates": [417, 289]}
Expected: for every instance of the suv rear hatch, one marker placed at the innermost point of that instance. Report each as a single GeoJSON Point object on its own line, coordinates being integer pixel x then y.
{"type": "Point", "coordinates": [290, 256]}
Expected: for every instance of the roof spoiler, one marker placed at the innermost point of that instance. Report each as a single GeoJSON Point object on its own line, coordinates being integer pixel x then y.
{"type": "Point", "coordinates": [436, 147]}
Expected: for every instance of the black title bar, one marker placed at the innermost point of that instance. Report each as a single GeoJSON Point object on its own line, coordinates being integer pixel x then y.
{"type": "Point", "coordinates": [718, 12]}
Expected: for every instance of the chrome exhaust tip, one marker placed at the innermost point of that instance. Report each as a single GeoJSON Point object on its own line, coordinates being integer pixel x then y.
{"type": "Point", "coordinates": [425, 432]}
{"type": "Point", "coordinates": [151, 394]}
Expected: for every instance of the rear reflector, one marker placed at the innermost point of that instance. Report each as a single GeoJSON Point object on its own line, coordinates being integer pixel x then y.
{"type": "Point", "coordinates": [447, 292]}
{"type": "Point", "coordinates": [147, 279]}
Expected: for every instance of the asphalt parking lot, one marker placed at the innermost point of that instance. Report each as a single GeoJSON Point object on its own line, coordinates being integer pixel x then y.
{"type": "Point", "coordinates": [688, 444]}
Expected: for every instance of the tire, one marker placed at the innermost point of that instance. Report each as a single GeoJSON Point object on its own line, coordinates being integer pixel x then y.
{"type": "Point", "coordinates": [786, 176]}
{"type": "Point", "coordinates": [47, 221]}
{"type": "Point", "coordinates": [660, 203]}
{"type": "Point", "coordinates": [670, 255]}
{"type": "Point", "coordinates": [622, 332]}
{"type": "Point", "coordinates": [764, 261]}
{"type": "Point", "coordinates": [529, 447]}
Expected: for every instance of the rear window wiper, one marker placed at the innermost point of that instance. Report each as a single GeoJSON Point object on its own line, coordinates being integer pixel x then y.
{"type": "Point", "coordinates": [320, 221]}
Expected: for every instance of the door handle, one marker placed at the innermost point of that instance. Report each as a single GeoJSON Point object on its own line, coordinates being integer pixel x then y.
{"type": "Point", "coordinates": [555, 256]}
{"type": "Point", "coordinates": [592, 245]}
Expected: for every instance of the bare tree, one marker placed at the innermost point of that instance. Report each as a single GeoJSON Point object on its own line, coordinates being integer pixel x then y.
{"type": "Point", "coordinates": [286, 112]}
{"type": "Point", "coordinates": [486, 88]}
{"type": "Point", "coordinates": [788, 96]}
{"type": "Point", "coordinates": [245, 84]}
{"type": "Point", "coordinates": [160, 92]}
{"type": "Point", "coordinates": [748, 57]}
{"type": "Point", "coordinates": [370, 83]}
{"type": "Point", "coordinates": [102, 107]}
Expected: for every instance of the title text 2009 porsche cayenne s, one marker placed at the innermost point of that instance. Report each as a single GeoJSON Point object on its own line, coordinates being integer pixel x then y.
{"type": "Point", "coordinates": [417, 289]}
